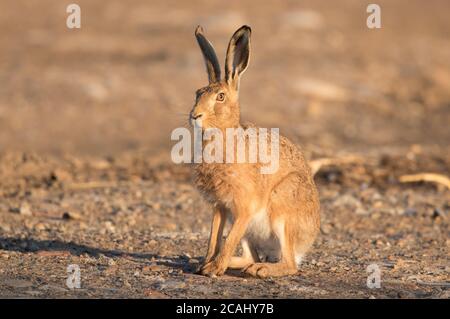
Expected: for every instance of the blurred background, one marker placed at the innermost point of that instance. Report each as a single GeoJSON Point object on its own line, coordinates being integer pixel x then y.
{"type": "Point", "coordinates": [85, 122]}
{"type": "Point", "coordinates": [127, 78]}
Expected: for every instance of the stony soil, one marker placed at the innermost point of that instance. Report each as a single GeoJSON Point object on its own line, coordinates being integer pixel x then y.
{"type": "Point", "coordinates": [85, 121]}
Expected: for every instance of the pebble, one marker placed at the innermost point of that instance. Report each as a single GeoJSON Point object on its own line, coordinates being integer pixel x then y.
{"type": "Point", "coordinates": [171, 284]}
{"type": "Point", "coordinates": [5, 228]}
{"type": "Point", "coordinates": [320, 264]}
{"type": "Point", "coordinates": [111, 262]}
{"type": "Point", "coordinates": [152, 242]}
{"type": "Point", "coordinates": [33, 293]}
{"type": "Point", "coordinates": [153, 268]}
{"type": "Point", "coordinates": [25, 210]}
{"type": "Point", "coordinates": [170, 226]}
{"type": "Point", "coordinates": [71, 215]}
{"type": "Point", "coordinates": [40, 227]}
{"type": "Point", "coordinates": [151, 293]}
{"type": "Point", "coordinates": [410, 212]}
{"type": "Point", "coordinates": [110, 227]}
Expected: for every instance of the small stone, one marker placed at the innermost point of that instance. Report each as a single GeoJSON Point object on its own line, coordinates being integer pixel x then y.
{"type": "Point", "coordinates": [4, 255]}
{"type": "Point", "coordinates": [71, 215]}
{"type": "Point", "coordinates": [437, 213]}
{"type": "Point", "coordinates": [155, 206]}
{"type": "Point", "coordinates": [5, 228]}
{"type": "Point", "coordinates": [326, 229]}
{"type": "Point", "coordinates": [15, 210]}
{"type": "Point", "coordinates": [377, 204]}
{"type": "Point", "coordinates": [152, 242]}
{"type": "Point", "coordinates": [53, 253]}
{"type": "Point", "coordinates": [320, 264]}
{"type": "Point", "coordinates": [25, 210]}
{"type": "Point", "coordinates": [154, 294]}
{"type": "Point", "coordinates": [170, 226]}
{"type": "Point", "coordinates": [410, 212]}
{"type": "Point", "coordinates": [62, 175]}
{"type": "Point", "coordinates": [110, 227]}
{"type": "Point", "coordinates": [40, 227]}
{"type": "Point", "coordinates": [100, 164]}
{"type": "Point", "coordinates": [111, 270]}
{"type": "Point", "coordinates": [111, 262]}
{"type": "Point", "coordinates": [153, 268]}
{"type": "Point", "coordinates": [376, 215]}
{"type": "Point", "coordinates": [171, 284]}
{"type": "Point", "coordinates": [33, 293]}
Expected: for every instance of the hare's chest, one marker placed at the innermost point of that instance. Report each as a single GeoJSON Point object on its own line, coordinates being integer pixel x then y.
{"type": "Point", "coordinates": [222, 184]}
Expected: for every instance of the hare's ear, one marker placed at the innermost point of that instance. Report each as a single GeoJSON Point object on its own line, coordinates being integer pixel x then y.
{"type": "Point", "coordinates": [211, 61]}
{"type": "Point", "coordinates": [238, 56]}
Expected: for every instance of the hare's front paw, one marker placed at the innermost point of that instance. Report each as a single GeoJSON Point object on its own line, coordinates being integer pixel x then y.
{"type": "Point", "coordinates": [258, 270]}
{"type": "Point", "coordinates": [264, 270]}
{"type": "Point", "coordinates": [213, 268]}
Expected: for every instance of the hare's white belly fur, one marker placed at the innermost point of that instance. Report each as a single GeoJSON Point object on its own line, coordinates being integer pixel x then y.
{"type": "Point", "coordinates": [265, 238]}
{"type": "Point", "coordinates": [260, 235]}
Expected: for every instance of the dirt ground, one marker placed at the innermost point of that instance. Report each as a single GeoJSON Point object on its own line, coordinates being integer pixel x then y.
{"type": "Point", "coordinates": [85, 121]}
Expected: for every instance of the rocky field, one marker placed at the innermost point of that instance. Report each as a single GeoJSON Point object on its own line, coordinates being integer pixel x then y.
{"type": "Point", "coordinates": [85, 119]}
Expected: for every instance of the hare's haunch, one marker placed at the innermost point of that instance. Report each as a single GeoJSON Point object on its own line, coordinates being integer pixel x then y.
{"type": "Point", "coordinates": [275, 216]}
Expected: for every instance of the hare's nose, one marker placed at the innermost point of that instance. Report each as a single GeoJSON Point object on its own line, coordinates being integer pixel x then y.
{"type": "Point", "coordinates": [197, 116]}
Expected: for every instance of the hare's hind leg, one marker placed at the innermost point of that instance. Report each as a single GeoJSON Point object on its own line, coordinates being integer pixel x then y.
{"type": "Point", "coordinates": [249, 256]}
{"type": "Point", "coordinates": [286, 265]}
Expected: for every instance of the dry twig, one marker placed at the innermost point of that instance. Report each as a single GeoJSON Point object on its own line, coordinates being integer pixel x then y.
{"type": "Point", "coordinates": [317, 164]}
{"type": "Point", "coordinates": [426, 177]}
{"type": "Point", "coordinates": [433, 283]}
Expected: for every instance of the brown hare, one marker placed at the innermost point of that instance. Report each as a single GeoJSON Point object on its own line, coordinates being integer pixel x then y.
{"type": "Point", "coordinates": [275, 217]}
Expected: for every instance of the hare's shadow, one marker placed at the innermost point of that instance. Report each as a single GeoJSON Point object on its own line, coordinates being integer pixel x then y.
{"type": "Point", "coordinates": [31, 245]}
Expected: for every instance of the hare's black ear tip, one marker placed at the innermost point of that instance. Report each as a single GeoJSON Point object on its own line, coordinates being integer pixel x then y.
{"type": "Point", "coordinates": [199, 30]}
{"type": "Point", "coordinates": [246, 28]}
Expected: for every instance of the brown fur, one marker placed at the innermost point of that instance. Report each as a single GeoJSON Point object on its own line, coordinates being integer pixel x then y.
{"type": "Point", "coordinates": [280, 208]}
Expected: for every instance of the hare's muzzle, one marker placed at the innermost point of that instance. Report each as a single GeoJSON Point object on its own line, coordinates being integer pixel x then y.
{"type": "Point", "coordinates": [196, 119]}
{"type": "Point", "coordinates": [197, 116]}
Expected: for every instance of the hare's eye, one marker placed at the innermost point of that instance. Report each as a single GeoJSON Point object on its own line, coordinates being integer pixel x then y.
{"type": "Point", "coordinates": [220, 97]}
